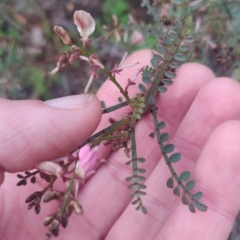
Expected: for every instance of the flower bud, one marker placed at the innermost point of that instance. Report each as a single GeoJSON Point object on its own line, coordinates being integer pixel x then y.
{"type": "Point", "coordinates": [62, 33]}
{"type": "Point", "coordinates": [84, 22]}
{"type": "Point", "coordinates": [50, 168]}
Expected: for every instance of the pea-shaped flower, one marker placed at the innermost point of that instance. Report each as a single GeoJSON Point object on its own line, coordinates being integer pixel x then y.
{"type": "Point", "coordinates": [85, 23]}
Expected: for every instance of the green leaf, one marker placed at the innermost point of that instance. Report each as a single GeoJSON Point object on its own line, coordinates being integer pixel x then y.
{"type": "Point", "coordinates": [138, 116]}
{"type": "Point", "coordinates": [131, 186]}
{"type": "Point", "coordinates": [170, 182]}
{"type": "Point", "coordinates": [167, 39]}
{"type": "Point", "coordinates": [175, 157]}
{"type": "Point", "coordinates": [197, 196]}
{"type": "Point", "coordinates": [176, 191]}
{"type": "Point", "coordinates": [141, 178]}
{"type": "Point", "coordinates": [142, 193]}
{"type": "Point", "coordinates": [138, 207]}
{"type": "Point", "coordinates": [135, 202]}
{"type": "Point", "coordinates": [174, 65]}
{"type": "Point", "coordinates": [185, 200]}
{"type": "Point", "coordinates": [170, 75]}
{"type": "Point", "coordinates": [141, 160]}
{"type": "Point", "coordinates": [128, 179]}
{"type": "Point", "coordinates": [161, 49]}
{"type": "Point", "coordinates": [167, 82]}
{"type": "Point", "coordinates": [154, 63]}
{"type": "Point", "coordinates": [191, 208]}
{"type": "Point", "coordinates": [144, 210]}
{"type": "Point", "coordinates": [157, 57]}
{"type": "Point", "coordinates": [146, 80]}
{"type": "Point", "coordinates": [128, 162]}
{"type": "Point", "coordinates": [141, 170]}
{"type": "Point", "coordinates": [164, 137]}
{"type": "Point", "coordinates": [173, 34]}
{"type": "Point", "coordinates": [189, 39]}
{"type": "Point", "coordinates": [151, 100]}
{"type": "Point", "coordinates": [200, 206]}
{"type": "Point", "coordinates": [142, 186]}
{"type": "Point", "coordinates": [161, 125]}
{"type": "Point", "coordinates": [180, 57]}
{"type": "Point", "coordinates": [184, 48]}
{"type": "Point", "coordinates": [162, 89]}
{"type": "Point", "coordinates": [147, 73]}
{"type": "Point", "coordinates": [142, 88]}
{"type": "Point", "coordinates": [190, 185]}
{"type": "Point", "coordinates": [168, 148]}
{"type": "Point", "coordinates": [184, 176]}
{"type": "Point", "coordinates": [178, 24]}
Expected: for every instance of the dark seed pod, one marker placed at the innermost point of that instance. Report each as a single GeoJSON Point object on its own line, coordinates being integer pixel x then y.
{"type": "Point", "coordinates": [54, 228]}
{"type": "Point", "coordinates": [31, 205]}
{"type": "Point", "coordinates": [33, 179]}
{"type": "Point", "coordinates": [33, 196]}
{"type": "Point", "coordinates": [37, 208]}
{"type": "Point", "coordinates": [64, 220]}
{"type": "Point", "coordinates": [22, 182]}
{"type": "Point", "coordinates": [20, 176]}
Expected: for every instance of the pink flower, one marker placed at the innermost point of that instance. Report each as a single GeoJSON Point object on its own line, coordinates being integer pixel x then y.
{"type": "Point", "coordinates": [50, 168]}
{"type": "Point", "coordinates": [84, 22]}
{"type": "Point", "coordinates": [87, 163]}
{"type": "Point", "coordinates": [137, 37]}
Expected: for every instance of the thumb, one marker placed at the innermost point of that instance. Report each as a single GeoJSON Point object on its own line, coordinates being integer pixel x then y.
{"type": "Point", "coordinates": [34, 131]}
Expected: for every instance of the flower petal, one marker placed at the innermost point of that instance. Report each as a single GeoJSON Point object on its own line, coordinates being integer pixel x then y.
{"type": "Point", "coordinates": [84, 22]}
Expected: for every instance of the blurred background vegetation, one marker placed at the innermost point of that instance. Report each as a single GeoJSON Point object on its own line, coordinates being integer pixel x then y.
{"type": "Point", "coordinates": [29, 49]}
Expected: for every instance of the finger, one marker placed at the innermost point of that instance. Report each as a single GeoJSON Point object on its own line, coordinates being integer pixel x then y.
{"type": "Point", "coordinates": [33, 131]}
{"type": "Point", "coordinates": [217, 173]}
{"type": "Point", "coordinates": [115, 171]}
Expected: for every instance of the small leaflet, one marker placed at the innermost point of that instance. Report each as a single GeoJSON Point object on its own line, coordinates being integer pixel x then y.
{"type": "Point", "coordinates": [167, 82]}
{"type": "Point", "coordinates": [162, 89]}
{"type": "Point", "coordinates": [176, 191]}
{"type": "Point", "coordinates": [167, 39]}
{"type": "Point", "coordinates": [170, 75]}
{"type": "Point", "coordinates": [168, 148]}
{"type": "Point", "coordinates": [175, 157]}
{"type": "Point", "coordinates": [200, 206]}
{"type": "Point", "coordinates": [170, 182]}
{"type": "Point", "coordinates": [184, 176]}
{"type": "Point", "coordinates": [174, 65]}
{"type": "Point", "coordinates": [173, 34]}
{"type": "Point", "coordinates": [161, 125]}
{"type": "Point", "coordinates": [180, 57]}
{"type": "Point", "coordinates": [164, 137]}
{"type": "Point", "coordinates": [161, 49]}
{"type": "Point", "coordinates": [189, 39]}
{"type": "Point", "coordinates": [190, 185]}
{"type": "Point", "coordinates": [142, 88]}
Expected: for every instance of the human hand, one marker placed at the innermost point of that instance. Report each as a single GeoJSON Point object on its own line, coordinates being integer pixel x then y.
{"type": "Point", "coordinates": [202, 117]}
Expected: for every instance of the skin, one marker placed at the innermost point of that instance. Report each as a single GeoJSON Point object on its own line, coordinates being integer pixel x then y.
{"type": "Point", "coordinates": [202, 115]}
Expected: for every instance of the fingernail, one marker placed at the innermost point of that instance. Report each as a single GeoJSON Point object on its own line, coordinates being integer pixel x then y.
{"type": "Point", "coordinates": [71, 102]}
